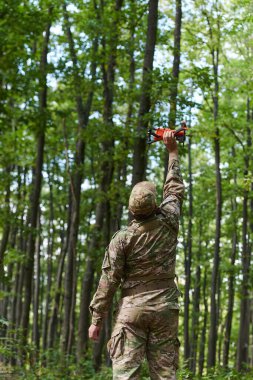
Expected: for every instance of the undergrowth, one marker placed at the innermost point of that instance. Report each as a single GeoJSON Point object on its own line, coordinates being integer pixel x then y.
{"type": "Point", "coordinates": [52, 366]}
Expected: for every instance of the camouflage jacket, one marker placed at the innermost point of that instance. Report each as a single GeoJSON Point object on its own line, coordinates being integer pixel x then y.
{"type": "Point", "coordinates": [143, 252]}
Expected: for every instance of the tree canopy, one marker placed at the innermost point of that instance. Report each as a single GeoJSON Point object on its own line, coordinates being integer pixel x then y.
{"type": "Point", "coordinates": [81, 82]}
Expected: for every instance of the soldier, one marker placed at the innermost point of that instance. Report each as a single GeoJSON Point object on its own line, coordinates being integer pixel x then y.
{"type": "Point", "coordinates": [142, 259]}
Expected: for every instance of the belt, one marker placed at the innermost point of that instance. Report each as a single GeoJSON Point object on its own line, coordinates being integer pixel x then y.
{"type": "Point", "coordinates": [156, 285]}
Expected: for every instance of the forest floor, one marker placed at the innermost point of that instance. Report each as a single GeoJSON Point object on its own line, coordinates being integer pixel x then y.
{"type": "Point", "coordinates": [6, 373]}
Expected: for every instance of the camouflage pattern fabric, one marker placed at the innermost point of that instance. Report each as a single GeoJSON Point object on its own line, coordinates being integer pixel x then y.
{"type": "Point", "coordinates": [149, 332]}
{"type": "Point", "coordinates": [141, 254]}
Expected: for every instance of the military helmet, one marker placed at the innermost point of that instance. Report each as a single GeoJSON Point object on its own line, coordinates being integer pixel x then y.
{"type": "Point", "coordinates": [142, 201]}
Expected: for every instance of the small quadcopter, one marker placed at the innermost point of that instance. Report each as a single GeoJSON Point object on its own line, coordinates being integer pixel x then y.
{"type": "Point", "coordinates": [155, 135]}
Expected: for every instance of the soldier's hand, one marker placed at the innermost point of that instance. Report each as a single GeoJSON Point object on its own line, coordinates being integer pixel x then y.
{"type": "Point", "coordinates": [94, 332]}
{"type": "Point", "coordinates": [170, 141]}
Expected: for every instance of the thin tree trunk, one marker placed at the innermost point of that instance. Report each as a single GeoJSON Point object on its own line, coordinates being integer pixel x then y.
{"type": "Point", "coordinates": [203, 333]}
{"type": "Point", "coordinates": [188, 260]}
{"type": "Point", "coordinates": [12, 318]}
{"type": "Point", "coordinates": [7, 288]}
{"type": "Point", "coordinates": [22, 248]}
{"type": "Point", "coordinates": [212, 341]}
{"type": "Point", "coordinates": [83, 324]}
{"type": "Point", "coordinates": [221, 325]}
{"type": "Point", "coordinates": [19, 306]}
{"type": "Point", "coordinates": [195, 307]}
{"type": "Point", "coordinates": [51, 232]}
{"type": "Point", "coordinates": [56, 312]}
{"type": "Point", "coordinates": [139, 155]}
{"type": "Point", "coordinates": [13, 289]}
{"type": "Point", "coordinates": [231, 281]}
{"type": "Point", "coordinates": [174, 84]}
{"type": "Point", "coordinates": [251, 246]}
{"type": "Point", "coordinates": [244, 329]}
{"type": "Point", "coordinates": [108, 145]}
{"type": "Point", "coordinates": [243, 339]}
{"type": "Point", "coordinates": [107, 169]}
{"type": "Point", "coordinates": [36, 293]}
{"type": "Point", "coordinates": [36, 183]}
{"type": "Point", "coordinates": [6, 231]}
{"type": "Point", "coordinates": [83, 112]}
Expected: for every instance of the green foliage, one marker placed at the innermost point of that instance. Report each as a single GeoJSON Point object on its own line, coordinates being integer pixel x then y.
{"type": "Point", "coordinates": [22, 28]}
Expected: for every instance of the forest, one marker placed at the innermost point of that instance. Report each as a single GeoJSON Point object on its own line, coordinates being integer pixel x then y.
{"type": "Point", "coordinates": [81, 82]}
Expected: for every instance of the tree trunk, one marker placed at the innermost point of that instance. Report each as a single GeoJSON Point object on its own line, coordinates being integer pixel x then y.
{"type": "Point", "coordinates": [244, 329]}
{"type": "Point", "coordinates": [188, 260]}
{"type": "Point", "coordinates": [195, 306]}
{"type": "Point", "coordinates": [51, 232]}
{"type": "Point", "coordinates": [203, 333]}
{"type": "Point", "coordinates": [231, 281]}
{"type": "Point", "coordinates": [251, 245]}
{"type": "Point", "coordinates": [221, 325]}
{"type": "Point", "coordinates": [83, 113]}
{"type": "Point", "coordinates": [107, 168]}
{"type": "Point", "coordinates": [36, 183]}
{"type": "Point", "coordinates": [6, 307]}
{"type": "Point", "coordinates": [18, 232]}
{"type": "Point", "coordinates": [21, 248]}
{"type": "Point", "coordinates": [173, 89]}
{"type": "Point", "coordinates": [6, 231]}
{"type": "Point", "coordinates": [108, 145]}
{"type": "Point", "coordinates": [56, 313]}
{"type": "Point", "coordinates": [139, 156]}
{"type": "Point", "coordinates": [36, 293]}
{"type": "Point", "coordinates": [83, 324]}
{"type": "Point", "coordinates": [212, 341]}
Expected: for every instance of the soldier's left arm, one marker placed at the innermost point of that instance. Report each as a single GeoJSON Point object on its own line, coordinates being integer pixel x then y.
{"type": "Point", "coordinates": [112, 273]}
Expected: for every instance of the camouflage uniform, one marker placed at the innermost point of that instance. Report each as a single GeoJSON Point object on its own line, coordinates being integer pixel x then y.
{"type": "Point", "coordinates": [142, 259]}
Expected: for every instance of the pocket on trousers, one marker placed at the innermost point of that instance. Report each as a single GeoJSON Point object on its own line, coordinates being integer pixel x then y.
{"type": "Point", "coordinates": [115, 346]}
{"type": "Point", "coordinates": [173, 353]}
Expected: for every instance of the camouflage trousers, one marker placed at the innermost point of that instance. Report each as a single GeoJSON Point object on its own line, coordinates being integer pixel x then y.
{"type": "Point", "coordinates": [145, 332]}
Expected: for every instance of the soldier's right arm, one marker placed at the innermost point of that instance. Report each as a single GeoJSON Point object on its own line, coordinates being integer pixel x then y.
{"type": "Point", "coordinates": [173, 191]}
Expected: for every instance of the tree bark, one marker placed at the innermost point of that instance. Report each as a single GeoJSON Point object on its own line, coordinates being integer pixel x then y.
{"type": "Point", "coordinates": [21, 248]}
{"type": "Point", "coordinates": [6, 302]}
{"type": "Point", "coordinates": [212, 341]}
{"type": "Point", "coordinates": [139, 156]}
{"type": "Point", "coordinates": [18, 232]}
{"type": "Point", "coordinates": [107, 169]}
{"type": "Point", "coordinates": [173, 89]}
{"type": "Point", "coordinates": [188, 260]}
{"type": "Point", "coordinates": [36, 183]}
{"type": "Point", "coordinates": [244, 329]}
{"type": "Point", "coordinates": [203, 333]}
{"type": "Point", "coordinates": [56, 312]}
{"type": "Point", "coordinates": [176, 65]}
{"type": "Point", "coordinates": [83, 112]}
{"type": "Point", "coordinates": [36, 293]}
{"type": "Point", "coordinates": [51, 233]}
{"type": "Point", "coordinates": [6, 231]}
{"type": "Point", "coordinates": [195, 306]}
{"type": "Point", "coordinates": [83, 324]}
{"type": "Point", "coordinates": [231, 281]}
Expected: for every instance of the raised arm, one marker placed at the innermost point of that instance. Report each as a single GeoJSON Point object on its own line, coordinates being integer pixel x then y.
{"type": "Point", "coordinates": [173, 190]}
